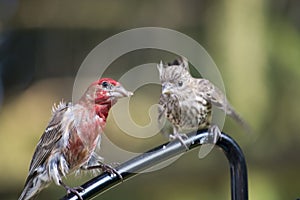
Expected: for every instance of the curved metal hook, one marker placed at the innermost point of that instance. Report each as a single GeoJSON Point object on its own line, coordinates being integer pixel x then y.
{"type": "Point", "coordinates": [234, 154]}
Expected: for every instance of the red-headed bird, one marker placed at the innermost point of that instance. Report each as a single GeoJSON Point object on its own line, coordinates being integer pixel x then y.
{"type": "Point", "coordinates": [71, 137]}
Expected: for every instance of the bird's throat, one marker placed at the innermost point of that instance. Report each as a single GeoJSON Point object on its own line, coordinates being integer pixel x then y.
{"type": "Point", "coordinates": [102, 110]}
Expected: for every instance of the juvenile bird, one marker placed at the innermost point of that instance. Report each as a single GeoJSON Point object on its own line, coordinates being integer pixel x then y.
{"type": "Point", "coordinates": [187, 102]}
{"type": "Point", "coordinates": [71, 137]}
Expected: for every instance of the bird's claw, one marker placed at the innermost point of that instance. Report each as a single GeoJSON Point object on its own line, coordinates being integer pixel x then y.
{"type": "Point", "coordinates": [73, 190]}
{"type": "Point", "coordinates": [181, 138]}
{"type": "Point", "coordinates": [107, 168]}
{"type": "Point", "coordinates": [214, 134]}
{"type": "Point", "coordinates": [111, 170]}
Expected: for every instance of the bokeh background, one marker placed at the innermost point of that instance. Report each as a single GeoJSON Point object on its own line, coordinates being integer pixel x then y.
{"type": "Point", "coordinates": [255, 44]}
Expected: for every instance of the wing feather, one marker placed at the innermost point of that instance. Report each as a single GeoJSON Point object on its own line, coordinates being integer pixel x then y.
{"type": "Point", "coordinates": [216, 97]}
{"type": "Point", "coordinates": [49, 139]}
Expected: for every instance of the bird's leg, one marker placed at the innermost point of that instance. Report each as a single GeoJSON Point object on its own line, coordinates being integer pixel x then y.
{"type": "Point", "coordinates": [179, 136]}
{"type": "Point", "coordinates": [74, 190]}
{"type": "Point", "coordinates": [105, 168]}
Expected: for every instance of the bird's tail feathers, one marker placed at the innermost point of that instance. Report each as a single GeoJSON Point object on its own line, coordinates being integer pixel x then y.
{"type": "Point", "coordinates": [32, 188]}
{"type": "Point", "coordinates": [234, 115]}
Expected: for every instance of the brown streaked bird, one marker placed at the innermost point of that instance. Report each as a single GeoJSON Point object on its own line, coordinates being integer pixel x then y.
{"type": "Point", "coordinates": [71, 138]}
{"type": "Point", "coordinates": [187, 102]}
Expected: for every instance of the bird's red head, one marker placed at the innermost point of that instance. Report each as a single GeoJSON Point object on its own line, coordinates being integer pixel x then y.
{"type": "Point", "coordinates": [102, 94]}
{"type": "Point", "coordinates": [109, 91]}
{"type": "Point", "coordinates": [108, 80]}
{"type": "Point", "coordinates": [105, 91]}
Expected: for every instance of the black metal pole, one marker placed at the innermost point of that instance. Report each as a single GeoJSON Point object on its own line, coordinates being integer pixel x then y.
{"type": "Point", "coordinates": [234, 154]}
{"type": "Point", "coordinates": [238, 167]}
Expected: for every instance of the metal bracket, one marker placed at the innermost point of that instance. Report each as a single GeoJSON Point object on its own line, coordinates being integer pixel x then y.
{"type": "Point", "coordinates": [131, 168]}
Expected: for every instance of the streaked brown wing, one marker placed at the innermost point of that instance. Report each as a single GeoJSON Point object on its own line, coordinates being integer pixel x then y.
{"type": "Point", "coordinates": [215, 96]}
{"type": "Point", "coordinates": [161, 108]}
{"type": "Point", "coordinates": [211, 93]}
{"type": "Point", "coordinates": [49, 138]}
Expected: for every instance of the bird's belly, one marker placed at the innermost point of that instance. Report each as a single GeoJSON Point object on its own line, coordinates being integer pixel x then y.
{"type": "Point", "coordinates": [78, 151]}
{"type": "Point", "coordinates": [192, 117]}
{"type": "Point", "coordinates": [189, 115]}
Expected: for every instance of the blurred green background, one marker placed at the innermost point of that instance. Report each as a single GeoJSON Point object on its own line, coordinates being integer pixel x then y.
{"type": "Point", "coordinates": [255, 44]}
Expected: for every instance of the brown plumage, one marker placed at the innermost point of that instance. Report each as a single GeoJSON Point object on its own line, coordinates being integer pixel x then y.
{"type": "Point", "coordinates": [187, 102]}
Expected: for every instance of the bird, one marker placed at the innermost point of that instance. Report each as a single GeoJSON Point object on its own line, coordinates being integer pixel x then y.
{"type": "Point", "coordinates": [187, 102]}
{"type": "Point", "coordinates": [73, 134]}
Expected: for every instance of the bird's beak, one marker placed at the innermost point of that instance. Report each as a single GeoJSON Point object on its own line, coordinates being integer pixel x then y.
{"type": "Point", "coordinates": [119, 91]}
{"type": "Point", "coordinates": [166, 90]}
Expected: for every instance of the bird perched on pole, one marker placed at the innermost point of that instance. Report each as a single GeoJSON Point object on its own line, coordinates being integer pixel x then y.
{"type": "Point", "coordinates": [187, 102]}
{"type": "Point", "coordinates": [71, 137]}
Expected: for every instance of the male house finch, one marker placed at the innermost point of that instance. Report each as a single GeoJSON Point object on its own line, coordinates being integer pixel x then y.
{"type": "Point", "coordinates": [187, 102]}
{"type": "Point", "coordinates": [70, 139]}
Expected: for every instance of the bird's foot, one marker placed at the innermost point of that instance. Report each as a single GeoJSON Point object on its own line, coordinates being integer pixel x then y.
{"type": "Point", "coordinates": [74, 190]}
{"type": "Point", "coordinates": [214, 133]}
{"type": "Point", "coordinates": [181, 138]}
{"type": "Point", "coordinates": [106, 168]}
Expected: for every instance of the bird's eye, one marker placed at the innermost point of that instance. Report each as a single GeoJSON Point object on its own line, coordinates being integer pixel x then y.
{"type": "Point", "coordinates": [180, 83]}
{"type": "Point", "coordinates": [104, 84]}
